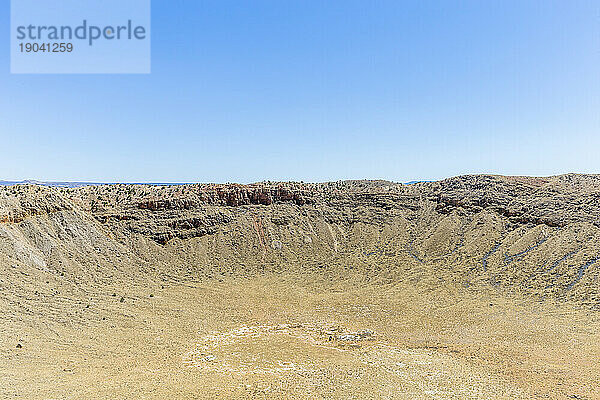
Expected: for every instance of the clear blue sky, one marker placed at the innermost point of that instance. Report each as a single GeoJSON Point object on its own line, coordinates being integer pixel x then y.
{"type": "Point", "coordinates": [321, 90]}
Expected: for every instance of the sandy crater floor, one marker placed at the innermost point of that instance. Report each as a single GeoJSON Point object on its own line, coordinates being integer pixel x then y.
{"type": "Point", "coordinates": [279, 338]}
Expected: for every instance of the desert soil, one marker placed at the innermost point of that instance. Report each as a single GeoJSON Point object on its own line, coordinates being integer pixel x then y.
{"type": "Point", "coordinates": [276, 337]}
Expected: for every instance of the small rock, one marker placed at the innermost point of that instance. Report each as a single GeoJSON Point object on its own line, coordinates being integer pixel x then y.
{"type": "Point", "coordinates": [19, 346]}
{"type": "Point", "coordinates": [365, 334]}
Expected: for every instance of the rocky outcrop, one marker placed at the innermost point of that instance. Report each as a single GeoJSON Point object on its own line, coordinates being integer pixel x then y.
{"type": "Point", "coordinates": [187, 211]}
{"type": "Point", "coordinates": [17, 203]}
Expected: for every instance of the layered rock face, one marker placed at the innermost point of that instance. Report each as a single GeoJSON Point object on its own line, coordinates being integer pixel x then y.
{"type": "Point", "coordinates": [538, 236]}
